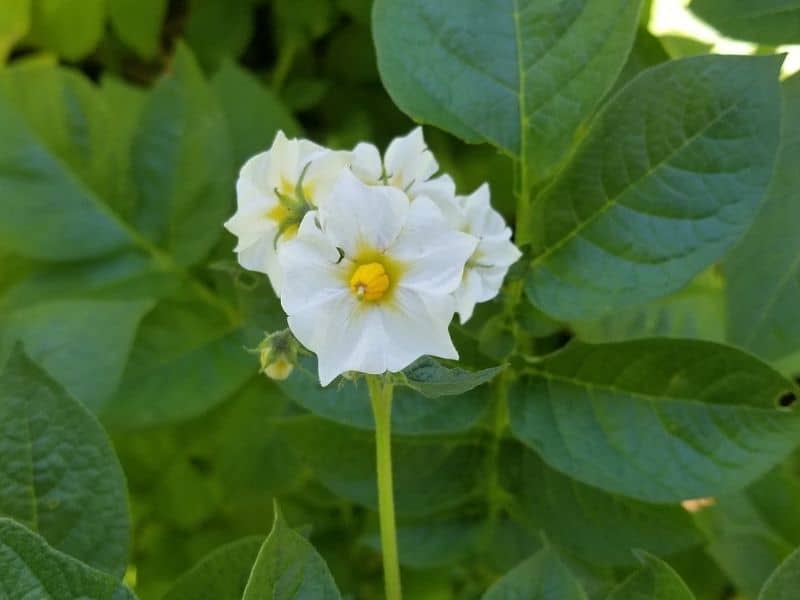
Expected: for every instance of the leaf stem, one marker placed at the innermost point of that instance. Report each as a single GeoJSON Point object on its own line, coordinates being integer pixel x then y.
{"type": "Point", "coordinates": [380, 393]}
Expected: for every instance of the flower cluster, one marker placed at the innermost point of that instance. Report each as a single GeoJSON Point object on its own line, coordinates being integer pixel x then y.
{"type": "Point", "coordinates": [371, 256]}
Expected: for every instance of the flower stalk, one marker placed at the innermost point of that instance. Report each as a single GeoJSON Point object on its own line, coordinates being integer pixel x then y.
{"type": "Point", "coordinates": [381, 392]}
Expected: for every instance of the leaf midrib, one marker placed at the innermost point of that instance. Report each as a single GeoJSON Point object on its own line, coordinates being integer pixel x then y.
{"type": "Point", "coordinates": [651, 398]}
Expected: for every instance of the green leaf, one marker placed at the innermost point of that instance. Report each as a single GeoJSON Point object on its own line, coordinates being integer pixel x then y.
{"type": "Point", "coordinates": [594, 525]}
{"type": "Point", "coordinates": [15, 17]}
{"type": "Point", "coordinates": [436, 541]}
{"type": "Point", "coordinates": [541, 577]}
{"type": "Point", "coordinates": [433, 380]}
{"type": "Point", "coordinates": [138, 23]}
{"type": "Point", "coordinates": [681, 47]}
{"type": "Point", "coordinates": [187, 358]}
{"type": "Point", "coordinates": [70, 29]}
{"type": "Point", "coordinates": [288, 568]}
{"type": "Point", "coordinates": [83, 344]}
{"type": "Point", "coordinates": [431, 474]}
{"type": "Point", "coordinates": [57, 166]}
{"type": "Point", "coordinates": [748, 558]}
{"type": "Point", "coordinates": [647, 51]}
{"type": "Point", "coordinates": [523, 75]}
{"type": "Point", "coordinates": [696, 311]}
{"type": "Point", "coordinates": [217, 31]}
{"type": "Point", "coordinates": [655, 419]}
{"type": "Point", "coordinates": [58, 472]}
{"type": "Point", "coordinates": [785, 581]}
{"type": "Point", "coordinates": [766, 22]}
{"type": "Point", "coordinates": [764, 269]}
{"type": "Point", "coordinates": [253, 112]}
{"type": "Point", "coordinates": [29, 568]}
{"type": "Point", "coordinates": [656, 580]}
{"type": "Point", "coordinates": [668, 178]}
{"type": "Point", "coordinates": [184, 170]}
{"type": "Point", "coordinates": [774, 497]}
{"type": "Point", "coordinates": [221, 575]}
{"type": "Point", "coordinates": [412, 413]}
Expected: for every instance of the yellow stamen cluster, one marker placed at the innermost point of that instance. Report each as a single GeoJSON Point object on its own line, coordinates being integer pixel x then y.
{"type": "Point", "coordinates": [370, 281]}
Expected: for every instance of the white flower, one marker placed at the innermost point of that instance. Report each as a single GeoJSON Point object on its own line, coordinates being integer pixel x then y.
{"type": "Point", "coordinates": [373, 291]}
{"type": "Point", "coordinates": [408, 165]}
{"type": "Point", "coordinates": [489, 264]}
{"type": "Point", "coordinates": [271, 199]}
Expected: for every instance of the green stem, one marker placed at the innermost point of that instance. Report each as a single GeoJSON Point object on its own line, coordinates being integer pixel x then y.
{"type": "Point", "coordinates": [284, 65]}
{"type": "Point", "coordinates": [380, 392]}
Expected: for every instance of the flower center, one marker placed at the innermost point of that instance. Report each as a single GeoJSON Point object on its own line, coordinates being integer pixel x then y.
{"type": "Point", "coordinates": [370, 281]}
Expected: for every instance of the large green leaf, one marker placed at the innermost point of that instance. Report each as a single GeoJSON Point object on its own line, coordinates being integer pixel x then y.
{"type": "Point", "coordinates": [183, 162]}
{"type": "Point", "coordinates": [523, 75]}
{"type": "Point", "coordinates": [656, 419]}
{"type": "Point", "coordinates": [541, 577]}
{"type": "Point", "coordinates": [768, 22]}
{"type": "Point", "coordinates": [138, 23]}
{"type": "Point", "coordinates": [784, 583]}
{"type": "Point", "coordinates": [29, 568]}
{"type": "Point", "coordinates": [764, 269]}
{"type": "Point", "coordinates": [667, 179]}
{"type": "Point", "coordinates": [83, 344]}
{"type": "Point", "coordinates": [222, 575]}
{"type": "Point", "coordinates": [58, 472]}
{"type": "Point", "coordinates": [288, 568]}
{"type": "Point", "coordinates": [57, 166]}
{"type": "Point", "coordinates": [187, 357]}
{"type": "Point", "coordinates": [71, 29]}
{"type": "Point", "coordinates": [599, 527]}
{"type": "Point", "coordinates": [656, 580]}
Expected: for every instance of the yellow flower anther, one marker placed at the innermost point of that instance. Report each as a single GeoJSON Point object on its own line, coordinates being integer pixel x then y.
{"type": "Point", "coordinates": [370, 281]}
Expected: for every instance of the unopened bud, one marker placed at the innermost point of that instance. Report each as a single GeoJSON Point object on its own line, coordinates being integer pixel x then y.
{"type": "Point", "coordinates": [277, 354]}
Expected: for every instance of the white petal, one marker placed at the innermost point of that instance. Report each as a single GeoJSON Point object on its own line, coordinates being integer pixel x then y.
{"type": "Point", "coordinates": [433, 252]}
{"type": "Point", "coordinates": [261, 256]}
{"type": "Point", "coordinates": [442, 190]}
{"type": "Point", "coordinates": [480, 218]}
{"type": "Point", "coordinates": [408, 160]}
{"type": "Point", "coordinates": [345, 334]}
{"type": "Point", "coordinates": [417, 325]}
{"type": "Point", "coordinates": [324, 168]}
{"type": "Point", "coordinates": [359, 217]}
{"type": "Point", "coordinates": [366, 163]}
{"type": "Point", "coordinates": [312, 270]}
{"type": "Point", "coordinates": [467, 295]}
{"type": "Point", "coordinates": [497, 250]}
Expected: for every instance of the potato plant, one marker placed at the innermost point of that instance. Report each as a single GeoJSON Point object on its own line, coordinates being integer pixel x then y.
{"type": "Point", "coordinates": [422, 299]}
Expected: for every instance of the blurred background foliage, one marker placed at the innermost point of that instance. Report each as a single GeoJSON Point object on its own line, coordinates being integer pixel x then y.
{"type": "Point", "coordinates": [137, 114]}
